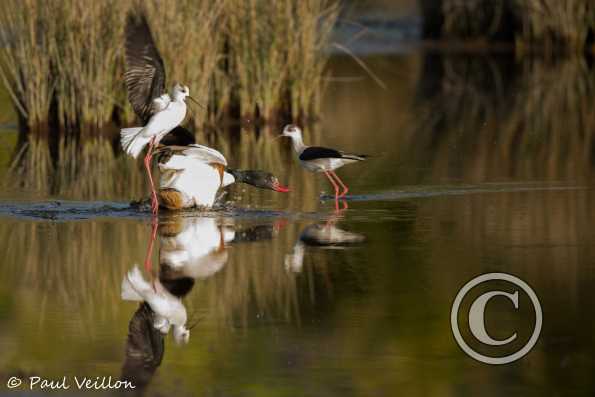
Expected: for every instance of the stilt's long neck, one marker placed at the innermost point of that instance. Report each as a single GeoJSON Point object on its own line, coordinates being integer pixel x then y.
{"type": "Point", "coordinates": [178, 97]}
{"type": "Point", "coordinates": [298, 143]}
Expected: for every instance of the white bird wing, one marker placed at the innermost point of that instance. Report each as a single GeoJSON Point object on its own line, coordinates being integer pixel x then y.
{"type": "Point", "coordinates": [134, 286]}
{"type": "Point", "coordinates": [161, 103]}
{"type": "Point", "coordinates": [205, 154]}
{"type": "Point", "coordinates": [165, 120]}
{"type": "Point", "coordinates": [161, 301]}
{"type": "Point", "coordinates": [175, 163]}
{"type": "Point", "coordinates": [183, 157]}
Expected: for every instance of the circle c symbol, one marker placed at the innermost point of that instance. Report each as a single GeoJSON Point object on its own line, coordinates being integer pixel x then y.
{"type": "Point", "coordinates": [491, 277]}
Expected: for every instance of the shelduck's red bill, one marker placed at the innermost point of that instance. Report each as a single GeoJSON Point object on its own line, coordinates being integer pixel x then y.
{"type": "Point", "coordinates": [280, 188]}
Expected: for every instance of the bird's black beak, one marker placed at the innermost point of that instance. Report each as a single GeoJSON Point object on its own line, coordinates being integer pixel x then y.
{"type": "Point", "coordinates": [195, 101]}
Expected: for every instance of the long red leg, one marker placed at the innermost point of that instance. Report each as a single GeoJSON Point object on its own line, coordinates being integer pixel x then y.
{"type": "Point", "coordinates": [148, 157]}
{"type": "Point", "coordinates": [330, 178]}
{"type": "Point", "coordinates": [149, 255]}
{"type": "Point", "coordinates": [154, 200]}
{"type": "Point", "coordinates": [345, 188]}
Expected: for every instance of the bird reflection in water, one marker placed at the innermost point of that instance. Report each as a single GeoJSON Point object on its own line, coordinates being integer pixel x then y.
{"type": "Point", "coordinates": [190, 249]}
{"type": "Point", "coordinates": [161, 308]}
{"type": "Point", "coordinates": [168, 309]}
{"type": "Point", "coordinates": [144, 349]}
{"type": "Point", "coordinates": [324, 235]}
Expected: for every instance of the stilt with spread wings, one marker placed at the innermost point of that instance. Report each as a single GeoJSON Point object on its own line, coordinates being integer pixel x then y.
{"type": "Point", "coordinates": [145, 83]}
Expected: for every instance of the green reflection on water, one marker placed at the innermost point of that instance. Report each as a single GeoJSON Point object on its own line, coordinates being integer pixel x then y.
{"type": "Point", "coordinates": [367, 319]}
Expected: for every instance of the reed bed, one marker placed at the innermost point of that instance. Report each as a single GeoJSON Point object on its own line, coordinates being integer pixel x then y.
{"type": "Point", "coordinates": [27, 40]}
{"type": "Point", "coordinates": [189, 35]}
{"type": "Point", "coordinates": [277, 57]}
{"type": "Point", "coordinates": [62, 61]}
{"type": "Point", "coordinates": [552, 23]}
{"type": "Point", "coordinates": [536, 25]}
{"type": "Point", "coordinates": [85, 62]}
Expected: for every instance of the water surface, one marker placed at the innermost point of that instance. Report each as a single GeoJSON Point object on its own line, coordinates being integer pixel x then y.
{"type": "Point", "coordinates": [480, 164]}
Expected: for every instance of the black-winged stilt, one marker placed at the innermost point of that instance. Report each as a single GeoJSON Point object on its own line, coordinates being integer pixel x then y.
{"type": "Point", "coordinates": [192, 175]}
{"type": "Point", "coordinates": [168, 309]}
{"type": "Point", "coordinates": [145, 83]}
{"type": "Point", "coordinates": [321, 159]}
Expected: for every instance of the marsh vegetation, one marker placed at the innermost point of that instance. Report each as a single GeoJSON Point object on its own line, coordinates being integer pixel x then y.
{"type": "Point", "coordinates": [62, 62]}
{"type": "Point", "coordinates": [543, 26]}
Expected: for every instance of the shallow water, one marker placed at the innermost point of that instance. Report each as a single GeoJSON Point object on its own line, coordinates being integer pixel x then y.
{"type": "Point", "coordinates": [481, 164]}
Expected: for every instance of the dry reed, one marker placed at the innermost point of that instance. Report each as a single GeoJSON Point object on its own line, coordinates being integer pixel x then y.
{"type": "Point", "coordinates": [553, 23]}
{"type": "Point", "coordinates": [62, 61]}
{"type": "Point", "coordinates": [27, 41]}
{"type": "Point", "coordinates": [276, 54]}
{"type": "Point", "coordinates": [538, 25]}
{"type": "Point", "coordinates": [87, 47]}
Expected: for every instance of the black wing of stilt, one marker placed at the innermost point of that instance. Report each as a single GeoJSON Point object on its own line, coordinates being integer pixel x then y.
{"type": "Point", "coordinates": [144, 74]}
{"type": "Point", "coordinates": [317, 152]}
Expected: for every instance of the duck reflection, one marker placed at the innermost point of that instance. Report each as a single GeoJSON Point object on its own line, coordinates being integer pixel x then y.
{"type": "Point", "coordinates": [192, 248]}
{"type": "Point", "coordinates": [325, 235]}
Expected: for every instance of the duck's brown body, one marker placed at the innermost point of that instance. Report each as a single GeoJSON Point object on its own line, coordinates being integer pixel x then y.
{"type": "Point", "coordinates": [171, 199]}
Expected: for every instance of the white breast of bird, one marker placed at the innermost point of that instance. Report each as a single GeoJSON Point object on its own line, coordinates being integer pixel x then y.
{"type": "Point", "coordinates": [166, 120]}
{"type": "Point", "coordinates": [320, 165]}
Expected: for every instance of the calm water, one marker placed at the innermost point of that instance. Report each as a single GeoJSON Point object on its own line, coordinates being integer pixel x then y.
{"type": "Point", "coordinates": [481, 164]}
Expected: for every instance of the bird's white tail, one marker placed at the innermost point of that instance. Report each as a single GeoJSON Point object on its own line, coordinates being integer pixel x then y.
{"type": "Point", "coordinates": [132, 141]}
{"type": "Point", "coordinates": [134, 286]}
